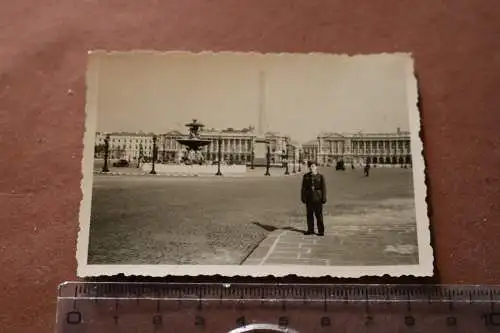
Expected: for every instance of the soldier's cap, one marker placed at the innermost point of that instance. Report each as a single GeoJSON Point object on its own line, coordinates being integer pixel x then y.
{"type": "Point", "coordinates": [310, 163]}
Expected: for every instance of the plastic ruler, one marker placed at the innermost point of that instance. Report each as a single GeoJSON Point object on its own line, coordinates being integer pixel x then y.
{"type": "Point", "coordinates": [219, 307]}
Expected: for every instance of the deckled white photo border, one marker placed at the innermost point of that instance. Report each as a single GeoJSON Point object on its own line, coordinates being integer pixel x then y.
{"type": "Point", "coordinates": [425, 267]}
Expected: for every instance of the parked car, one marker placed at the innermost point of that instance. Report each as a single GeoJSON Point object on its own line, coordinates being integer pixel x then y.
{"type": "Point", "coordinates": [340, 166]}
{"type": "Point", "coordinates": [121, 164]}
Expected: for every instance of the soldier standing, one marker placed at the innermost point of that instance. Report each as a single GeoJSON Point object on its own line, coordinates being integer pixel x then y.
{"type": "Point", "coordinates": [313, 195]}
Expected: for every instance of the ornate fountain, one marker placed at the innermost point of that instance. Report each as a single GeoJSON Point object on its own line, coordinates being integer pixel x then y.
{"type": "Point", "coordinates": [194, 143]}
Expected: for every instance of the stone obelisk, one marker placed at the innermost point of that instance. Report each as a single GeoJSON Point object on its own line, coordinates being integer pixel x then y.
{"type": "Point", "coordinates": [262, 104]}
{"type": "Point", "coordinates": [260, 142]}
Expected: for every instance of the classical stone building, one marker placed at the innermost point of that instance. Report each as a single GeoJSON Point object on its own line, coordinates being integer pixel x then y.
{"type": "Point", "coordinates": [124, 145]}
{"type": "Point", "coordinates": [381, 149]}
{"type": "Point", "coordinates": [236, 145]}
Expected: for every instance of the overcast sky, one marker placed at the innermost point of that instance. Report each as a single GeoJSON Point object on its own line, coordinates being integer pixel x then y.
{"type": "Point", "coordinates": [304, 94]}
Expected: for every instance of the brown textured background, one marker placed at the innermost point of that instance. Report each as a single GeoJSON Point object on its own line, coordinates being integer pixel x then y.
{"type": "Point", "coordinates": [43, 47]}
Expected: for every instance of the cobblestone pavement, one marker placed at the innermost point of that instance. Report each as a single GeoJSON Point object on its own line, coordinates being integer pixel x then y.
{"type": "Point", "coordinates": [342, 245]}
{"type": "Point", "coordinates": [221, 220]}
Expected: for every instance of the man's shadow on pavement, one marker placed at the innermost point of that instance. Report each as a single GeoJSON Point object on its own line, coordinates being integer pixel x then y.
{"type": "Point", "coordinates": [271, 228]}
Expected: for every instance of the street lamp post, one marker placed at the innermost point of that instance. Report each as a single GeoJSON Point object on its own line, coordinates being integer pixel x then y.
{"type": "Point", "coordinates": [300, 160]}
{"type": "Point", "coordinates": [219, 156]}
{"type": "Point", "coordinates": [140, 156]}
{"type": "Point", "coordinates": [164, 153]}
{"type": "Point", "coordinates": [153, 171]}
{"type": "Point", "coordinates": [287, 172]}
{"type": "Point", "coordinates": [268, 160]}
{"type": "Point", "coordinates": [106, 154]}
{"type": "Point", "coordinates": [294, 153]}
{"type": "Point", "coordinates": [252, 162]}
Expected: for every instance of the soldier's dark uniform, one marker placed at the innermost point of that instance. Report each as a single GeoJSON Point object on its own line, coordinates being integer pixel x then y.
{"type": "Point", "coordinates": [313, 194]}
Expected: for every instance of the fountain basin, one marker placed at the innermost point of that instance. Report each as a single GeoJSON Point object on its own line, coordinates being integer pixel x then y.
{"type": "Point", "coordinates": [194, 169]}
{"type": "Point", "coordinates": [194, 144]}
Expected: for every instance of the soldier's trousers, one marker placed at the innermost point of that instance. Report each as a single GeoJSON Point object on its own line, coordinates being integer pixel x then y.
{"type": "Point", "coordinates": [315, 209]}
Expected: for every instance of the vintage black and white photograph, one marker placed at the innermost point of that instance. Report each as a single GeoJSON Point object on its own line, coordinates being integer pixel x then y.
{"type": "Point", "coordinates": [248, 164]}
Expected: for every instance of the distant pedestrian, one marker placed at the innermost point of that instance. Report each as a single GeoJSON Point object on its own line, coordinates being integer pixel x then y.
{"type": "Point", "coordinates": [367, 170]}
{"type": "Point", "coordinates": [313, 195]}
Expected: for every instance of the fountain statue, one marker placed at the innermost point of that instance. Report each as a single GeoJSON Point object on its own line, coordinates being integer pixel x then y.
{"type": "Point", "coordinates": [194, 143]}
{"type": "Point", "coordinates": [193, 162]}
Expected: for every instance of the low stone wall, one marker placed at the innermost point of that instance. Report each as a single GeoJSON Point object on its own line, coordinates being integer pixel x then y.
{"type": "Point", "coordinates": [194, 169]}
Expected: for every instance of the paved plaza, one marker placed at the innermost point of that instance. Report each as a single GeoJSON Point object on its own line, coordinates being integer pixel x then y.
{"type": "Point", "coordinates": [252, 220]}
{"type": "Point", "coordinates": [342, 245]}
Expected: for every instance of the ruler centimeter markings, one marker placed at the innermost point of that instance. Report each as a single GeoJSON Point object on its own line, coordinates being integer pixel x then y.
{"type": "Point", "coordinates": [237, 308]}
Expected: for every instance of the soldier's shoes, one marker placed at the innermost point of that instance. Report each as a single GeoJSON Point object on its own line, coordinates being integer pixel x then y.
{"type": "Point", "coordinates": [308, 233]}
{"type": "Point", "coordinates": [321, 234]}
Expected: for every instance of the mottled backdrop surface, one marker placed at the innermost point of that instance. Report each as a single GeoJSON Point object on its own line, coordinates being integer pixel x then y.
{"type": "Point", "coordinates": [43, 49]}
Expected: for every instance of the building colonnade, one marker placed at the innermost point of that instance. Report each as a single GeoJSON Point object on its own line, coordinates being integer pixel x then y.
{"type": "Point", "coordinates": [379, 149]}
{"type": "Point", "coordinates": [236, 147]}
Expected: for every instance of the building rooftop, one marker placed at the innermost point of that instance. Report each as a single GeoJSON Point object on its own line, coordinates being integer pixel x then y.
{"type": "Point", "coordinates": [331, 134]}
{"type": "Point", "coordinates": [310, 142]}
{"type": "Point", "coordinates": [174, 133]}
{"type": "Point", "coordinates": [361, 134]}
{"type": "Point", "coordinates": [126, 133]}
{"type": "Point", "coordinates": [248, 131]}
